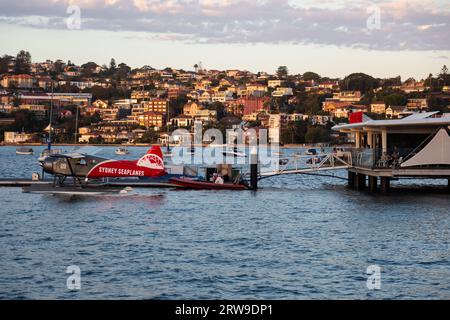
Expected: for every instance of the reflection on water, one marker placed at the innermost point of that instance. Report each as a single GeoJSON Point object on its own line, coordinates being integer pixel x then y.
{"type": "Point", "coordinates": [297, 237]}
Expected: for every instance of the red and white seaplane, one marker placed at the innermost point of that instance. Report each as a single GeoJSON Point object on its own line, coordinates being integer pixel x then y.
{"type": "Point", "coordinates": [84, 167]}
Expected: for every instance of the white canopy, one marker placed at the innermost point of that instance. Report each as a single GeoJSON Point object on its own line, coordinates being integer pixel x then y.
{"type": "Point", "coordinates": [437, 151]}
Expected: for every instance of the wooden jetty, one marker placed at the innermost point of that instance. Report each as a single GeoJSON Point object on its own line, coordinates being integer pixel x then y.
{"type": "Point", "coordinates": [414, 147]}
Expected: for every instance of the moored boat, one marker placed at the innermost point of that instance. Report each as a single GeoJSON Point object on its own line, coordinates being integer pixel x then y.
{"type": "Point", "coordinates": [311, 152]}
{"type": "Point", "coordinates": [198, 184]}
{"type": "Point", "coordinates": [122, 151]}
{"type": "Point", "coordinates": [24, 151]}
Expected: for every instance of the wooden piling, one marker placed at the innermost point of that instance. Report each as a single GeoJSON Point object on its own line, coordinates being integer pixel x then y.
{"type": "Point", "coordinates": [254, 171]}
{"type": "Point", "coordinates": [385, 184]}
{"type": "Point", "coordinates": [373, 184]}
{"type": "Point", "coordinates": [351, 179]}
{"type": "Point", "coordinates": [361, 181]}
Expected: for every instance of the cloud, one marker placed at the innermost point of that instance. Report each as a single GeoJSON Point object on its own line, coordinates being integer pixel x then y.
{"type": "Point", "coordinates": [404, 25]}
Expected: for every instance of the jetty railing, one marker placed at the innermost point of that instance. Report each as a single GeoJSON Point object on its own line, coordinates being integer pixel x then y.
{"type": "Point", "coordinates": [377, 159]}
{"type": "Point", "coordinates": [299, 164]}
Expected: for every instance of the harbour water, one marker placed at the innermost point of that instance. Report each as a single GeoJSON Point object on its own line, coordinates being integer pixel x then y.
{"type": "Point", "coordinates": [298, 237]}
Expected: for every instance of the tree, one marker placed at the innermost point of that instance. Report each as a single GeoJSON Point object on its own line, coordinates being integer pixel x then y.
{"type": "Point", "coordinates": [176, 105]}
{"type": "Point", "coordinates": [112, 65]}
{"type": "Point", "coordinates": [67, 87]}
{"type": "Point", "coordinates": [390, 82]}
{"type": "Point", "coordinates": [219, 108]}
{"type": "Point", "coordinates": [87, 69]}
{"type": "Point", "coordinates": [294, 132]}
{"type": "Point", "coordinates": [429, 81]}
{"type": "Point", "coordinates": [444, 74]}
{"type": "Point", "coordinates": [5, 62]}
{"type": "Point", "coordinates": [59, 66]}
{"type": "Point", "coordinates": [308, 76]}
{"type": "Point", "coordinates": [438, 104]}
{"type": "Point", "coordinates": [150, 136]}
{"type": "Point", "coordinates": [27, 121]}
{"type": "Point", "coordinates": [316, 135]}
{"type": "Point", "coordinates": [87, 121]}
{"type": "Point", "coordinates": [311, 104]}
{"type": "Point", "coordinates": [23, 63]}
{"type": "Point", "coordinates": [96, 140]}
{"type": "Point", "coordinates": [282, 72]}
{"type": "Point", "coordinates": [122, 71]}
{"type": "Point", "coordinates": [359, 82]}
{"type": "Point", "coordinates": [395, 99]}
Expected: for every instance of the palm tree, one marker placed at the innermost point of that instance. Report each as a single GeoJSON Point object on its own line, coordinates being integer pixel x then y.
{"type": "Point", "coordinates": [444, 73]}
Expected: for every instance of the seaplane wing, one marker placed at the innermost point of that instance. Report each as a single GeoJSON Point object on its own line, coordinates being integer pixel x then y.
{"type": "Point", "coordinates": [70, 156]}
{"type": "Point", "coordinates": [87, 150]}
{"type": "Point", "coordinates": [80, 153]}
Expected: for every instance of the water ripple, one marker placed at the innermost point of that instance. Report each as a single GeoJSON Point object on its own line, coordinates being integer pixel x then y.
{"type": "Point", "coordinates": [298, 237]}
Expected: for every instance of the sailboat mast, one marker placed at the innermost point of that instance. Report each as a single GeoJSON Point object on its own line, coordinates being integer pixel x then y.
{"type": "Point", "coordinates": [76, 125]}
{"type": "Point", "coordinates": [49, 142]}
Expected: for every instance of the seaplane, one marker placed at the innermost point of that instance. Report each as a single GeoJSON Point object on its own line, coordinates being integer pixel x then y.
{"type": "Point", "coordinates": [83, 166]}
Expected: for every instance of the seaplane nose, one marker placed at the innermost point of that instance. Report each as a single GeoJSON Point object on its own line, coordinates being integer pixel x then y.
{"type": "Point", "coordinates": [47, 165]}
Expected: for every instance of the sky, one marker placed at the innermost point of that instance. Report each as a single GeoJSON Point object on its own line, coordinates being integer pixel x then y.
{"type": "Point", "coordinates": [384, 38]}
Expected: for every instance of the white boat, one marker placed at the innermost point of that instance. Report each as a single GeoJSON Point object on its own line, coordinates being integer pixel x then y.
{"type": "Point", "coordinates": [122, 151]}
{"type": "Point", "coordinates": [24, 151]}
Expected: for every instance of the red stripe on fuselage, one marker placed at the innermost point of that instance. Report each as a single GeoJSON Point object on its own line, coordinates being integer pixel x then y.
{"type": "Point", "coordinates": [122, 168]}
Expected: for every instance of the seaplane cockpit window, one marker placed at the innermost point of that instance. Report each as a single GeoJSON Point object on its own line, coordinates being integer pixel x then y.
{"type": "Point", "coordinates": [81, 162]}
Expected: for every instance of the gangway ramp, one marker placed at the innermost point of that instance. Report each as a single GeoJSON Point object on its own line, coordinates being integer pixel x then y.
{"type": "Point", "coordinates": [307, 164]}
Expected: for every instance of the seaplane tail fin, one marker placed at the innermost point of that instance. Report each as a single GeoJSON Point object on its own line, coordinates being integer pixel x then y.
{"type": "Point", "coordinates": [155, 150]}
{"type": "Point", "coordinates": [153, 159]}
